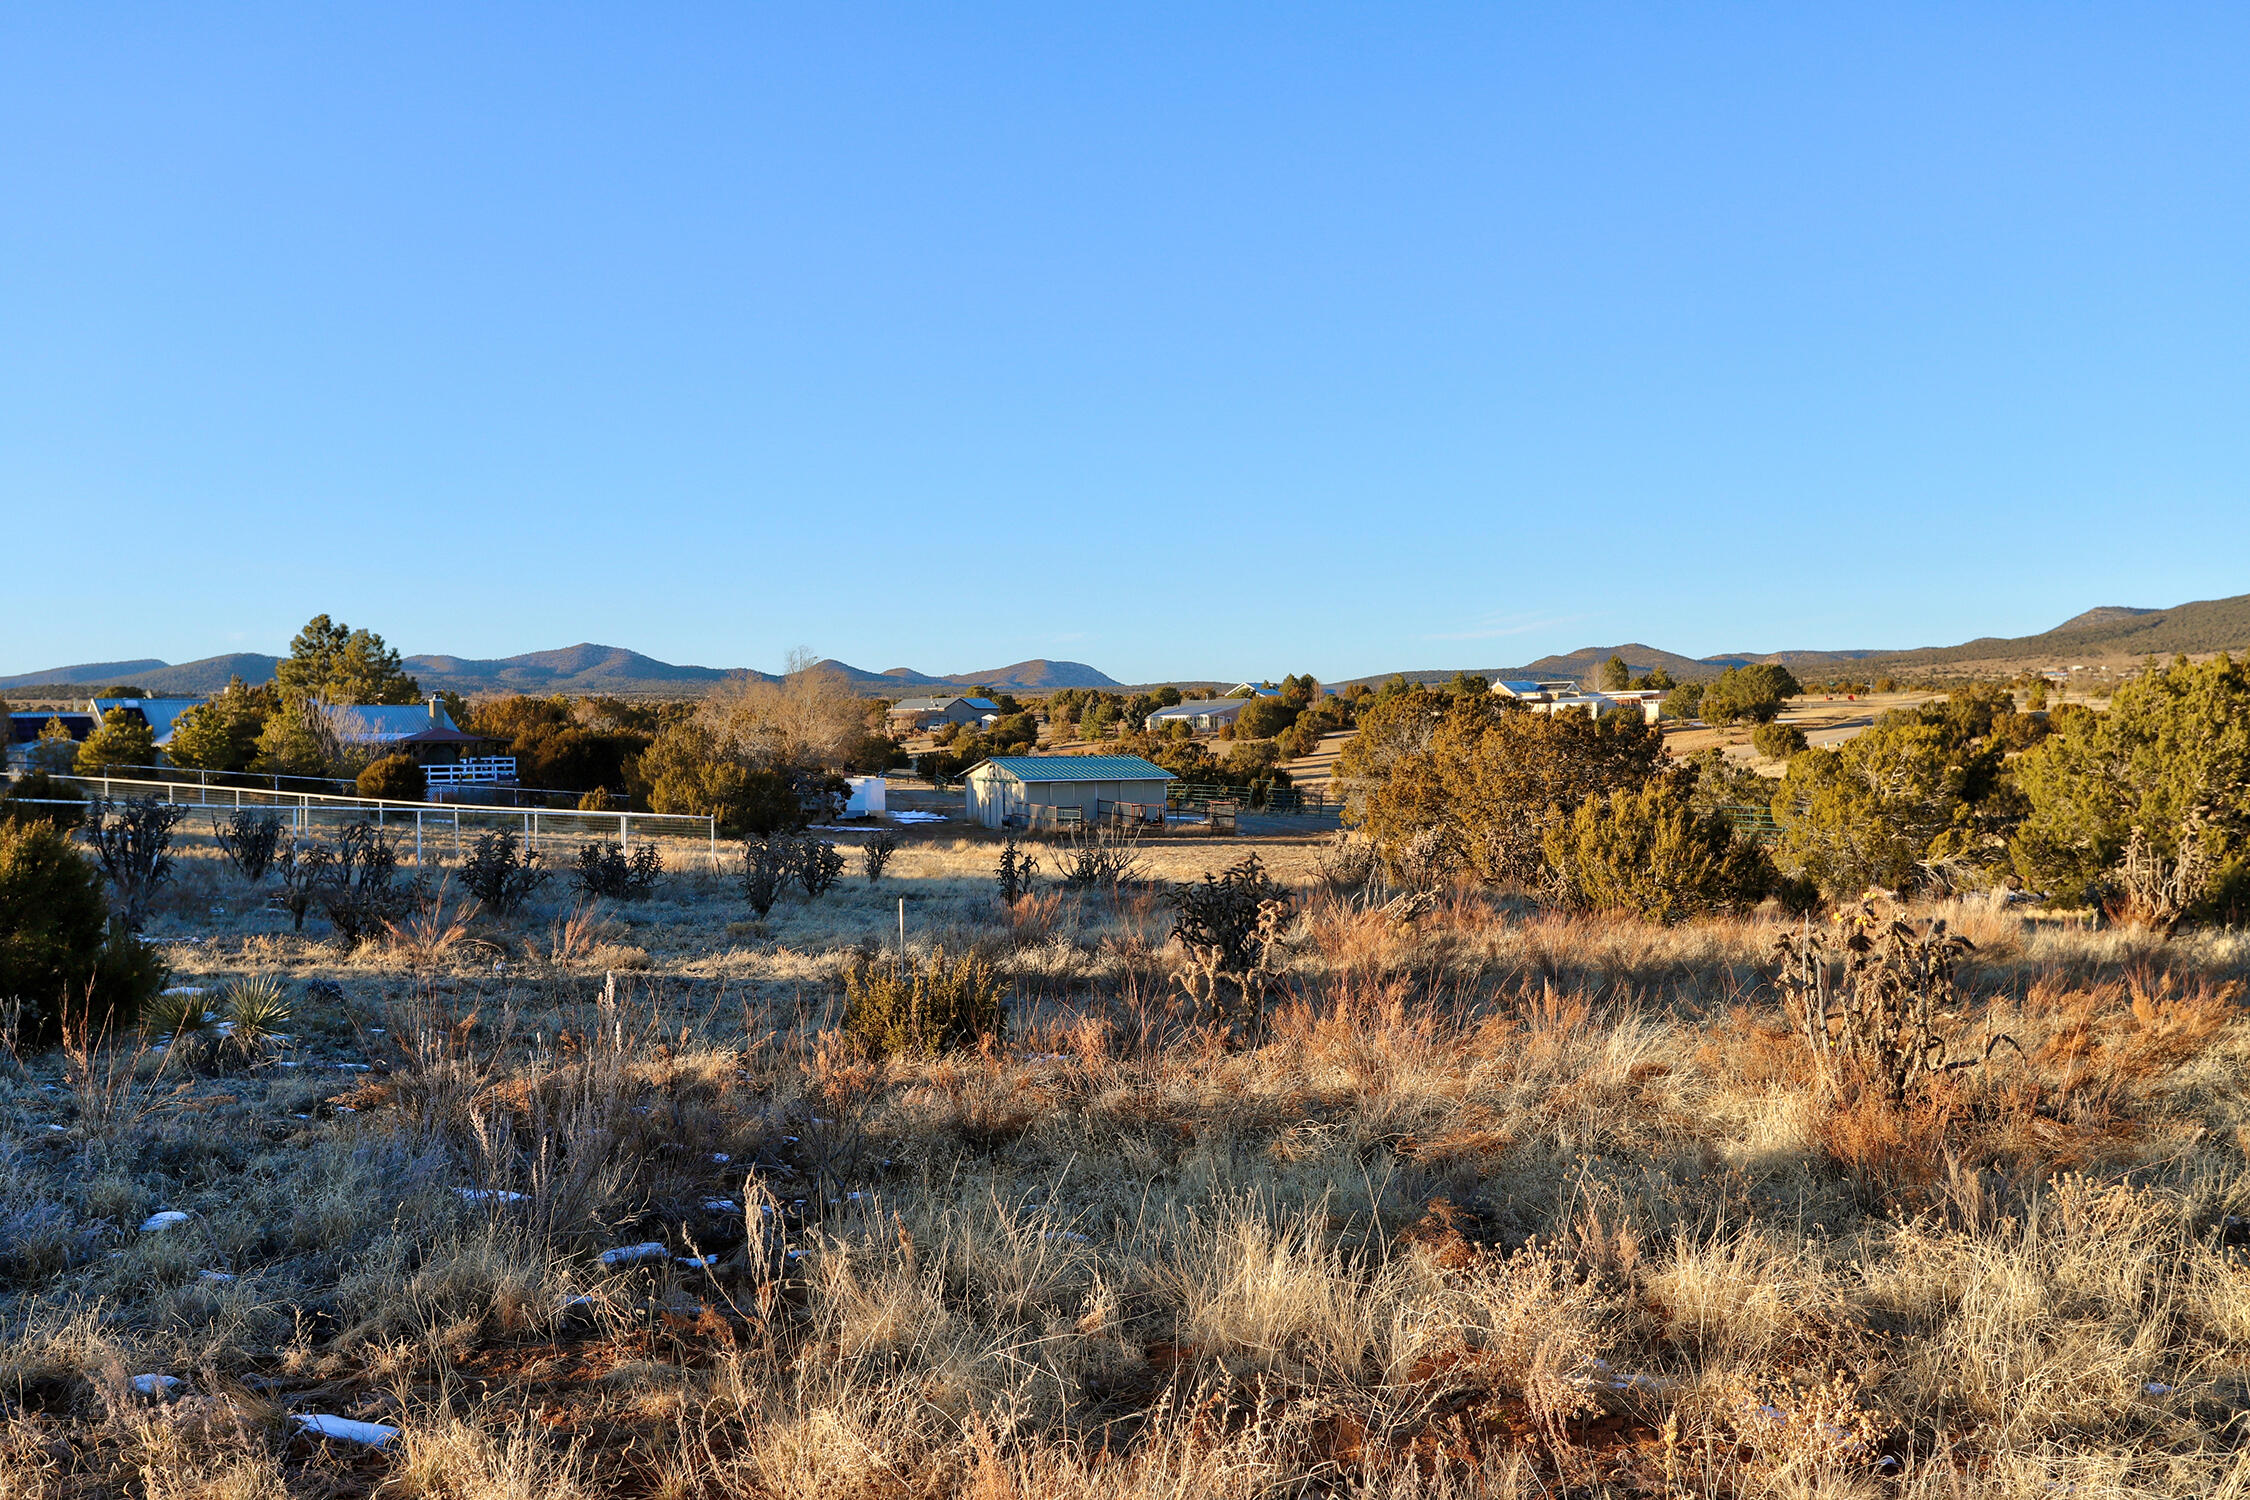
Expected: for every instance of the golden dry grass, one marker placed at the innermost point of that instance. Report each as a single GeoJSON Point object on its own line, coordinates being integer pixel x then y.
{"type": "Point", "coordinates": [1498, 1203]}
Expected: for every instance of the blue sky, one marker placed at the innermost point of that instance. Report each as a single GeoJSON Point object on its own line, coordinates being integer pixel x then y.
{"type": "Point", "coordinates": [1190, 342]}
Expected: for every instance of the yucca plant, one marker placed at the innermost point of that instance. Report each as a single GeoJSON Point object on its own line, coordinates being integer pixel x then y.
{"type": "Point", "coordinates": [256, 1010]}
{"type": "Point", "coordinates": [174, 1014]}
{"type": "Point", "coordinates": [177, 1022]}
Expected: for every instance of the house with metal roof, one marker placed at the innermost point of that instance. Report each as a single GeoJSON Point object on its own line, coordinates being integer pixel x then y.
{"type": "Point", "coordinates": [1048, 791]}
{"type": "Point", "coordinates": [909, 715]}
{"type": "Point", "coordinates": [157, 713]}
{"type": "Point", "coordinates": [425, 731]}
{"type": "Point", "coordinates": [1204, 717]}
{"type": "Point", "coordinates": [1531, 691]}
{"type": "Point", "coordinates": [24, 729]}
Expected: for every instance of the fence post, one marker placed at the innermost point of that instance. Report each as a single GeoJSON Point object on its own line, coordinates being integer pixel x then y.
{"type": "Point", "coordinates": [417, 838]}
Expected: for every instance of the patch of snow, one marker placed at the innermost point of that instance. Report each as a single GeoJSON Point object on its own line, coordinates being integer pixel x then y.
{"type": "Point", "coordinates": [2155, 1389]}
{"type": "Point", "coordinates": [721, 1157]}
{"type": "Point", "coordinates": [632, 1255]}
{"type": "Point", "coordinates": [185, 989]}
{"type": "Point", "coordinates": [488, 1195]}
{"type": "Point", "coordinates": [911, 816]}
{"type": "Point", "coordinates": [155, 1385]}
{"type": "Point", "coordinates": [218, 1276]}
{"type": "Point", "coordinates": [698, 1262]}
{"type": "Point", "coordinates": [346, 1430]}
{"type": "Point", "coordinates": [721, 1206]}
{"type": "Point", "coordinates": [164, 1219]}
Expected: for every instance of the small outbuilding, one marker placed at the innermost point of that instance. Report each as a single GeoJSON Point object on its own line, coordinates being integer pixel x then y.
{"type": "Point", "coordinates": [1045, 791]}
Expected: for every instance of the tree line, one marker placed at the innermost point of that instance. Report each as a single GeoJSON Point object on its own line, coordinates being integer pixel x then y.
{"type": "Point", "coordinates": [2143, 808]}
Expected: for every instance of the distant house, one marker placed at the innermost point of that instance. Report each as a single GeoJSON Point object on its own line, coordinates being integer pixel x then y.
{"type": "Point", "coordinates": [1032, 791]}
{"type": "Point", "coordinates": [1531, 691]}
{"type": "Point", "coordinates": [913, 715]}
{"type": "Point", "coordinates": [1252, 690]}
{"type": "Point", "coordinates": [23, 731]}
{"type": "Point", "coordinates": [1650, 701]}
{"type": "Point", "coordinates": [1568, 697]}
{"type": "Point", "coordinates": [1205, 717]}
{"type": "Point", "coordinates": [424, 731]}
{"type": "Point", "coordinates": [157, 713]}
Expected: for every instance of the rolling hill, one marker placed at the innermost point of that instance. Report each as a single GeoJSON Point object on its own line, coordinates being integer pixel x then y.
{"type": "Point", "coordinates": [580, 669]}
{"type": "Point", "coordinates": [2110, 632]}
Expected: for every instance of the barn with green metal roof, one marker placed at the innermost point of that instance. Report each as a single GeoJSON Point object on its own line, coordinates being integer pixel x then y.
{"type": "Point", "coordinates": [1046, 791]}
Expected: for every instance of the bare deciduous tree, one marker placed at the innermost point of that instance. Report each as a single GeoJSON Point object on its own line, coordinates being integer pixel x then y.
{"type": "Point", "coordinates": [810, 717]}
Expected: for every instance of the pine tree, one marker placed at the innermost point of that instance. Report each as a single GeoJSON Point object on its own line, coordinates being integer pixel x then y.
{"type": "Point", "coordinates": [123, 741]}
{"type": "Point", "coordinates": [331, 662]}
{"type": "Point", "coordinates": [221, 734]}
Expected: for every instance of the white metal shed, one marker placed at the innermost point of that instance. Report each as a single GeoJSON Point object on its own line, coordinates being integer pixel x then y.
{"type": "Point", "coordinates": [1019, 790]}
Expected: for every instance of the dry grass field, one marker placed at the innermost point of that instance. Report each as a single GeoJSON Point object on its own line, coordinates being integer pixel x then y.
{"type": "Point", "coordinates": [1494, 1202]}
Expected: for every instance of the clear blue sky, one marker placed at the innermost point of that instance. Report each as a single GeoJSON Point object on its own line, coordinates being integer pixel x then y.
{"type": "Point", "coordinates": [1185, 342]}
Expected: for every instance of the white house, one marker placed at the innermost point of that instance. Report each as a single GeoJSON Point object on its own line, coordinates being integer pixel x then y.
{"type": "Point", "coordinates": [1568, 697]}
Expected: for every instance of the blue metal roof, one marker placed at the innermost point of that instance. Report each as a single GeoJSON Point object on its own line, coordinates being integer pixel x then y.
{"type": "Point", "coordinates": [1080, 768]}
{"type": "Point", "coordinates": [157, 713]}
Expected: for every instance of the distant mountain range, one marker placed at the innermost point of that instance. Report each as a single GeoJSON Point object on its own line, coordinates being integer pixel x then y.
{"type": "Point", "coordinates": [2110, 632]}
{"type": "Point", "coordinates": [574, 669]}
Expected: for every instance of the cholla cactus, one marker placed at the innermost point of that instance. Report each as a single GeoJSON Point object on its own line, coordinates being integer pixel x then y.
{"type": "Point", "coordinates": [1876, 994]}
{"type": "Point", "coordinates": [1231, 927]}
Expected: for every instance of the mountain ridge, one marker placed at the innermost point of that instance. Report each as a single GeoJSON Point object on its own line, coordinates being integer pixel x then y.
{"type": "Point", "coordinates": [2106, 631]}
{"type": "Point", "coordinates": [586, 668]}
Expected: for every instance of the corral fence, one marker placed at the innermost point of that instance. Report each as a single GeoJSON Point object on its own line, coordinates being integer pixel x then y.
{"type": "Point", "coordinates": [1273, 799]}
{"type": "Point", "coordinates": [1751, 821]}
{"type": "Point", "coordinates": [435, 825]}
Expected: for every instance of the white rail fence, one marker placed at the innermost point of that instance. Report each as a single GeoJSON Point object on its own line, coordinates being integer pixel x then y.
{"type": "Point", "coordinates": [474, 770]}
{"type": "Point", "coordinates": [442, 822]}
